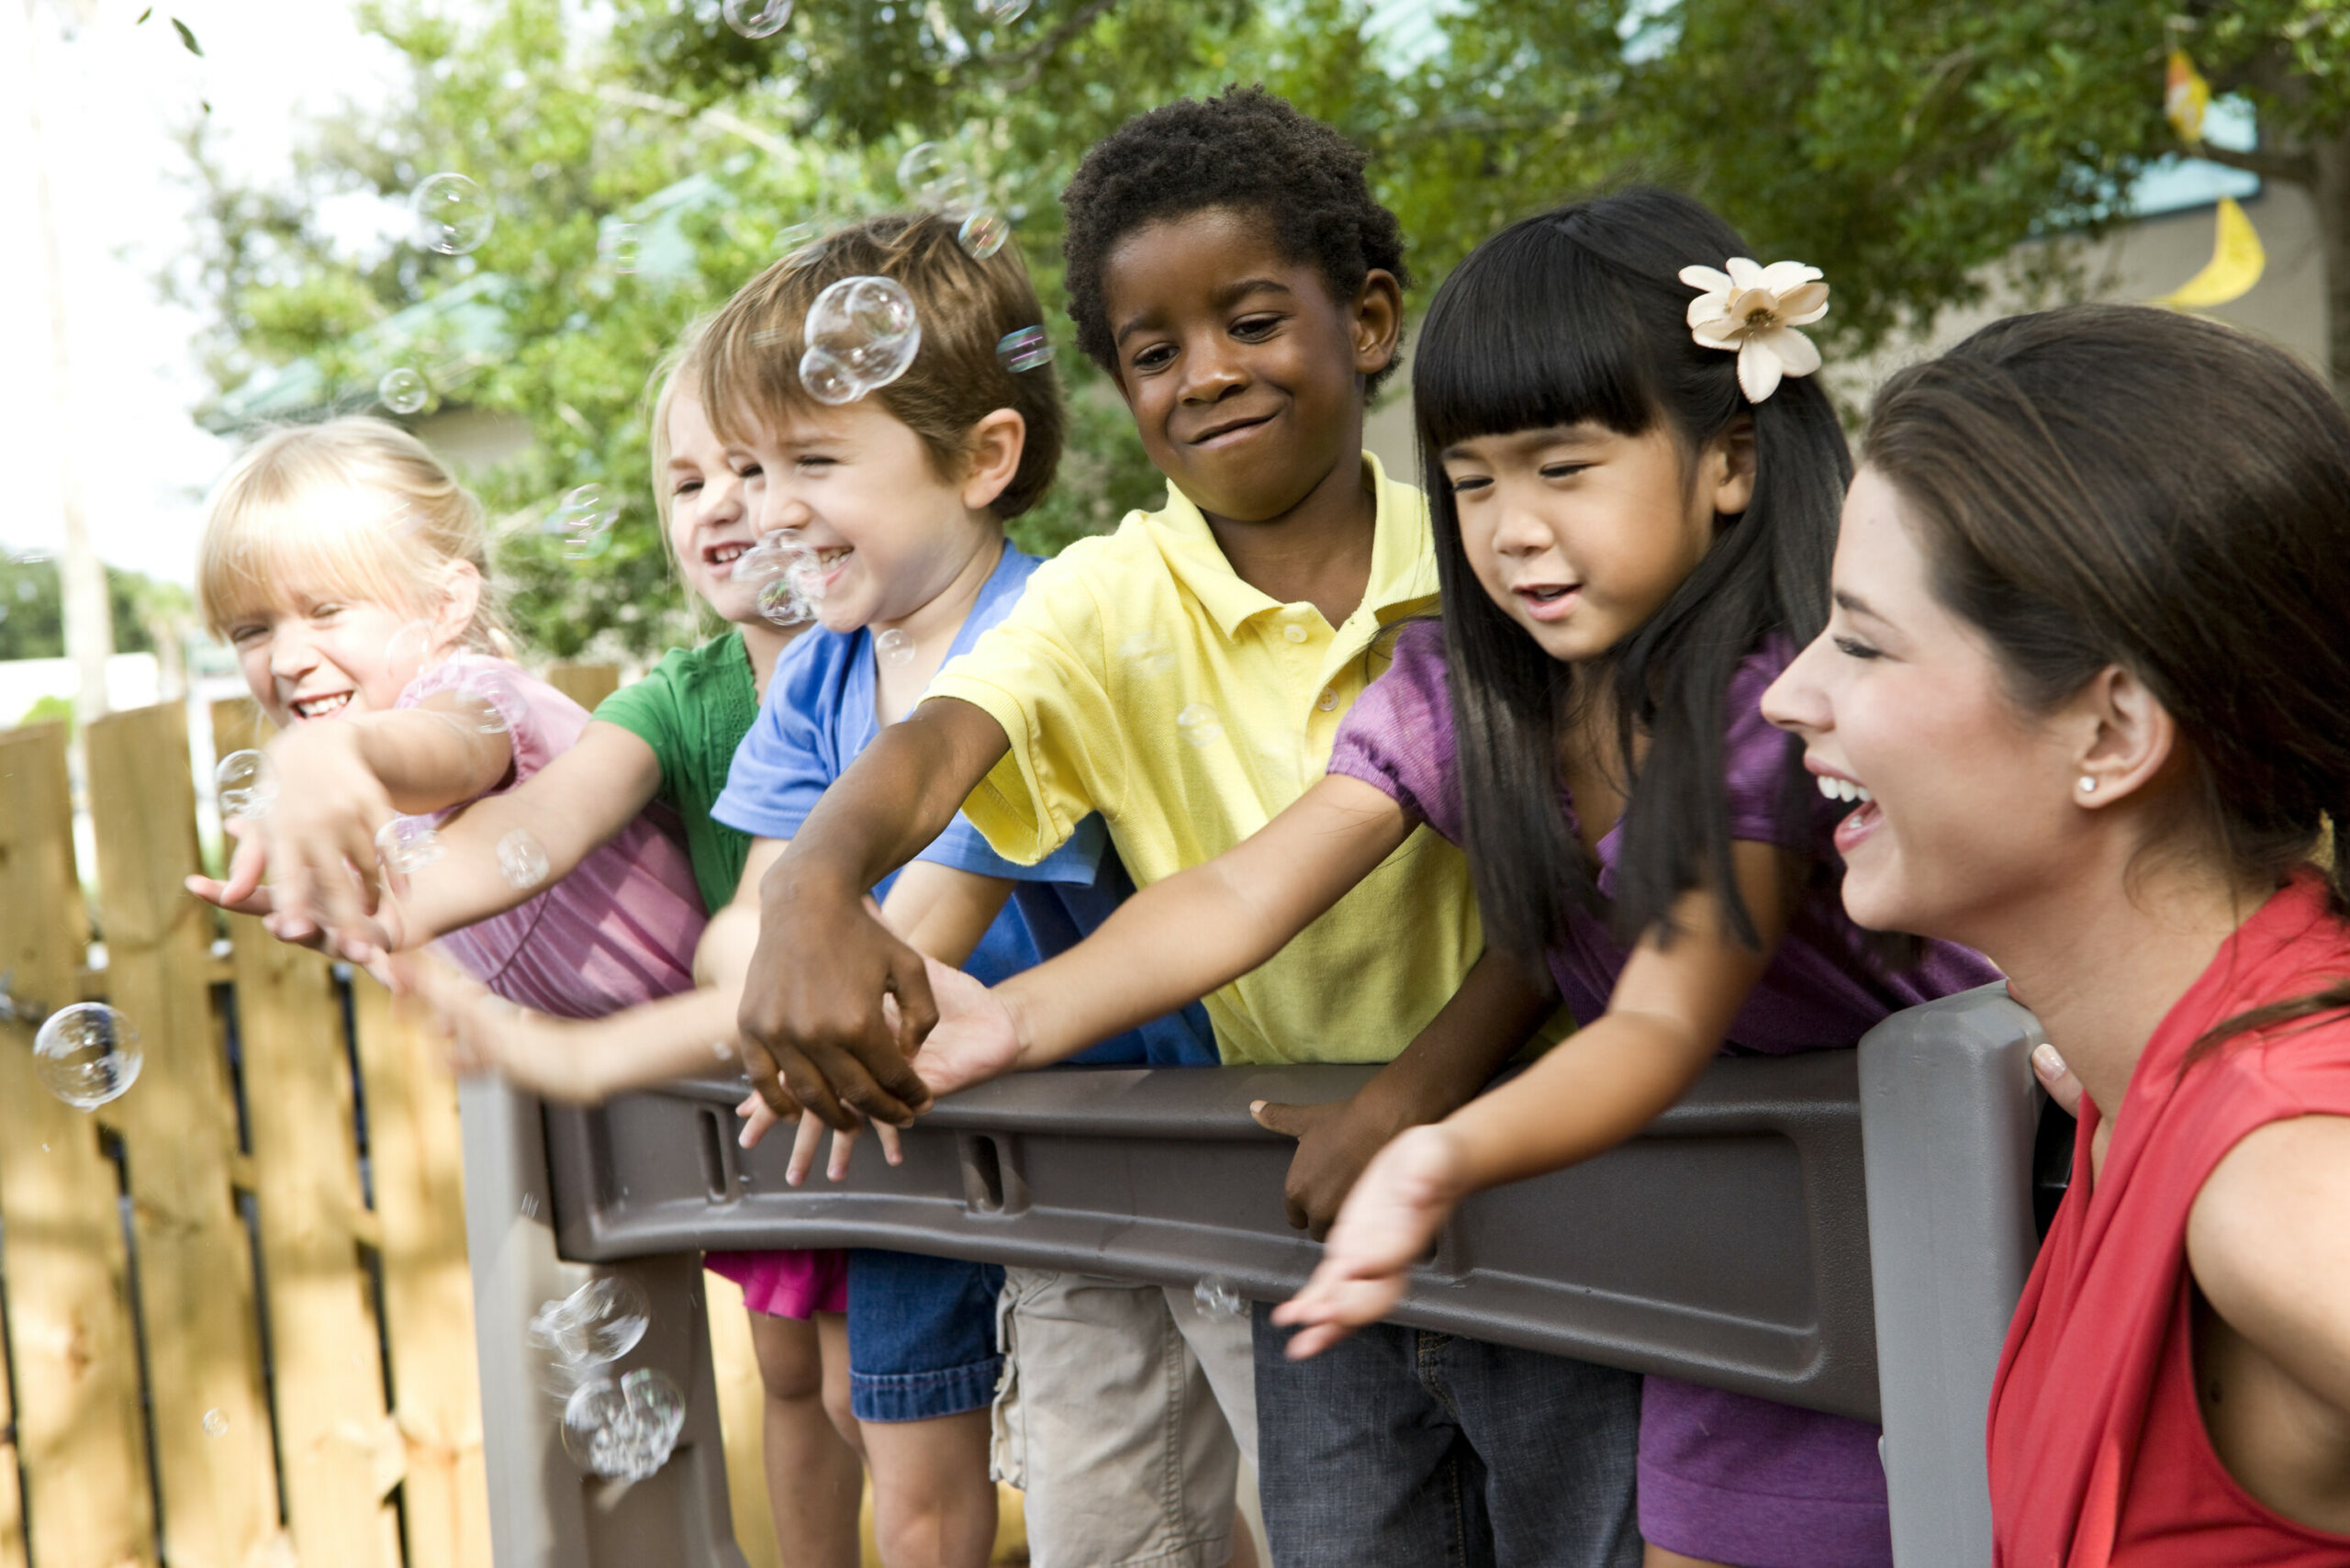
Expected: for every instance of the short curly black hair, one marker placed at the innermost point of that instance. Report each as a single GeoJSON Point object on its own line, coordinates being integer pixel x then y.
{"type": "Point", "coordinates": [1244, 148]}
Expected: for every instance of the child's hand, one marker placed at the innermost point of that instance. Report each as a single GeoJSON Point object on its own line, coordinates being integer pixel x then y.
{"type": "Point", "coordinates": [486, 1033]}
{"type": "Point", "coordinates": [820, 1026]}
{"type": "Point", "coordinates": [1335, 1141]}
{"type": "Point", "coordinates": [975, 1038]}
{"type": "Point", "coordinates": [242, 892]}
{"type": "Point", "coordinates": [321, 833]}
{"type": "Point", "coordinates": [1387, 1224]}
{"type": "Point", "coordinates": [811, 1134]}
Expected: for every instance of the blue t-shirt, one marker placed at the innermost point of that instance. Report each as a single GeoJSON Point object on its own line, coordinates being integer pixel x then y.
{"type": "Point", "coordinates": [819, 714]}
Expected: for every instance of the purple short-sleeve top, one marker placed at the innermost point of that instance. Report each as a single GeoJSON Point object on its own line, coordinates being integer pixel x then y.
{"type": "Point", "coordinates": [1822, 988]}
{"type": "Point", "coordinates": [621, 928]}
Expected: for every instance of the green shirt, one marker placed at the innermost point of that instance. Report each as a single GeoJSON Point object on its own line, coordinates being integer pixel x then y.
{"type": "Point", "coordinates": [693, 709]}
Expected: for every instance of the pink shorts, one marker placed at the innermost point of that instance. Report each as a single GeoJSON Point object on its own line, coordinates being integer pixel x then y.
{"type": "Point", "coordinates": [793, 1283]}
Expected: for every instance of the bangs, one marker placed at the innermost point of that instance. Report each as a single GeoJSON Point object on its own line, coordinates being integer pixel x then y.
{"type": "Point", "coordinates": [329, 541]}
{"type": "Point", "coordinates": [1532, 333]}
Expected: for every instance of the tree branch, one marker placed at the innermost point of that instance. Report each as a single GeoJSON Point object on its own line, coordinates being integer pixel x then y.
{"type": "Point", "coordinates": [1031, 60]}
{"type": "Point", "coordinates": [2293, 168]}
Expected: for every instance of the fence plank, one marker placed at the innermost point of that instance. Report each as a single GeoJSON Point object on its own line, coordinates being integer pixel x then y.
{"type": "Point", "coordinates": [76, 1393]}
{"type": "Point", "coordinates": [194, 1263]}
{"type": "Point", "coordinates": [584, 684]}
{"type": "Point", "coordinates": [306, 1180]}
{"type": "Point", "coordinates": [418, 1160]}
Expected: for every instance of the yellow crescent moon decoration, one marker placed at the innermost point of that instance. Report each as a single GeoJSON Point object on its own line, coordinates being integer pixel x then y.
{"type": "Point", "coordinates": [2236, 263]}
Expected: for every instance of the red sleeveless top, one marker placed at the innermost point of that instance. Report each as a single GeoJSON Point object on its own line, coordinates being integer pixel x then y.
{"type": "Point", "coordinates": [2097, 1450]}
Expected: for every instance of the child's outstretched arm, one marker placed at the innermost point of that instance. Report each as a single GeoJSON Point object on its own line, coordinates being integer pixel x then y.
{"type": "Point", "coordinates": [568, 809]}
{"type": "Point", "coordinates": [1671, 1007]}
{"type": "Point", "coordinates": [1174, 941]}
{"type": "Point", "coordinates": [811, 1015]}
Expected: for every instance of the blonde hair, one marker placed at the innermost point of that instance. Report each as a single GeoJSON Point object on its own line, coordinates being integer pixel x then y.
{"type": "Point", "coordinates": [353, 507]}
{"type": "Point", "coordinates": [679, 370]}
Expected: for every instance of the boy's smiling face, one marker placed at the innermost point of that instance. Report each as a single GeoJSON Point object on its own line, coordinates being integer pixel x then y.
{"type": "Point", "coordinates": [1244, 373]}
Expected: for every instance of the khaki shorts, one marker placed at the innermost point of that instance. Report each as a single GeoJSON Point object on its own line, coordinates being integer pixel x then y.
{"type": "Point", "coordinates": [1127, 1416]}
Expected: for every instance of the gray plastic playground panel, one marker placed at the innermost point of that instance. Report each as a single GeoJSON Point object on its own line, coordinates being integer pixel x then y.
{"type": "Point", "coordinates": [1842, 1230]}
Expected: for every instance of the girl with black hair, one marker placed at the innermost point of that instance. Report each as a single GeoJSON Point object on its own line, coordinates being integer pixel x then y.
{"type": "Point", "coordinates": [1635, 492]}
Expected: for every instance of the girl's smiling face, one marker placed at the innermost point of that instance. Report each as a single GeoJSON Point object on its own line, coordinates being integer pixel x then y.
{"type": "Point", "coordinates": [312, 653]}
{"type": "Point", "coordinates": [710, 520]}
{"type": "Point", "coordinates": [1581, 533]}
{"type": "Point", "coordinates": [1965, 799]}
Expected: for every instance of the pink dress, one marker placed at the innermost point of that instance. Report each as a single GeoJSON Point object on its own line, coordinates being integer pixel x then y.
{"type": "Point", "coordinates": [618, 931]}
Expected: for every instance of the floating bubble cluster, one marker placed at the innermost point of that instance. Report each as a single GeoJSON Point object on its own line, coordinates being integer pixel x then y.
{"type": "Point", "coordinates": [1200, 724]}
{"type": "Point", "coordinates": [402, 390]}
{"type": "Point", "coordinates": [522, 859]}
{"type": "Point", "coordinates": [757, 19]}
{"type": "Point", "coordinates": [625, 1430]}
{"type": "Point", "coordinates": [583, 520]}
{"type": "Point", "coordinates": [784, 570]}
{"type": "Point", "coordinates": [1216, 1297]}
{"type": "Point", "coordinates": [408, 652]}
{"type": "Point", "coordinates": [407, 843]}
{"type": "Point", "coordinates": [1025, 350]}
{"type": "Point", "coordinates": [894, 648]}
{"type": "Point", "coordinates": [452, 215]}
{"type": "Point", "coordinates": [861, 335]}
{"type": "Point", "coordinates": [798, 236]}
{"type": "Point", "coordinates": [1146, 654]}
{"type": "Point", "coordinates": [599, 1322]}
{"type": "Point", "coordinates": [1002, 12]}
{"type": "Point", "coordinates": [245, 785]}
{"type": "Point", "coordinates": [984, 233]}
{"type": "Point", "coordinates": [216, 1424]}
{"type": "Point", "coordinates": [86, 1055]}
{"type": "Point", "coordinates": [932, 178]}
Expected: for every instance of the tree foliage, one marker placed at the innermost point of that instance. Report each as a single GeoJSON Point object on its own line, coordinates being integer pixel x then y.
{"type": "Point", "coordinates": [1904, 149]}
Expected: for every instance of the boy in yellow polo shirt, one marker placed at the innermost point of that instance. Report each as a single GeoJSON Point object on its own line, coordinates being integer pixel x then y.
{"type": "Point", "coordinates": [1184, 678]}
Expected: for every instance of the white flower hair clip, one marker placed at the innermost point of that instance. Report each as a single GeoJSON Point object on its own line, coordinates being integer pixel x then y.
{"type": "Point", "coordinates": [1754, 310]}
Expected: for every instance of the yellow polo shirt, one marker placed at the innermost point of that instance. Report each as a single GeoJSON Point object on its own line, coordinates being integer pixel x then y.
{"type": "Point", "coordinates": [1138, 676]}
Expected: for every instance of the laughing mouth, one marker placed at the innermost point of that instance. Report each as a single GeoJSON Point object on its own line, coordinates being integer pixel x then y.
{"type": "Point", "coordinates": [321, 706]}
{"type": "Point", "coordinates": [725, 555]}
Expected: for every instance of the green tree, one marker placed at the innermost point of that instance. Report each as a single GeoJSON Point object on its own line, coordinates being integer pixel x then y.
{"type": "Point", "coordinates": [146, 612]}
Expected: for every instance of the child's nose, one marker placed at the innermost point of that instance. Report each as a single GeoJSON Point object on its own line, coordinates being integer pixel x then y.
{"type": "Point", "coordinates": [1211, 373]}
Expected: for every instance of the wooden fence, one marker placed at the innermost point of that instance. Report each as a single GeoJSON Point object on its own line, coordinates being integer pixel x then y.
{"type": "Point", "coordinates": [234, 1305]}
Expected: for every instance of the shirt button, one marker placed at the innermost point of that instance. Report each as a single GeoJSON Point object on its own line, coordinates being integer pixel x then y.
{"type": "Point", "coordinates": [1293, 632]}
{"type": "Point", "coordinates": [1328, 700]}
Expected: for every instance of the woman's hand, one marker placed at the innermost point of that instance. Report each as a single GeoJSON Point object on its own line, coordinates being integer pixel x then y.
{"type": "Point", "coordinates": [1387, 1224]}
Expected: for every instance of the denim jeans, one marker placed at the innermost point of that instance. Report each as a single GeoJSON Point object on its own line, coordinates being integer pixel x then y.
{"type": "Point", "coordinates": [920, 1336]}
{"type": "Point", "coordinates": [1408, 1446]}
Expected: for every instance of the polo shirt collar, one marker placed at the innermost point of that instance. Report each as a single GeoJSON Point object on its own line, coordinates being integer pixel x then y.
{"type": "Point", "coordinates": [1402, 558]}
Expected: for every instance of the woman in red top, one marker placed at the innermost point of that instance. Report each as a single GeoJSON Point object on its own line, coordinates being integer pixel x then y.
{"type": "Point", "coordinates": [2090, 666]}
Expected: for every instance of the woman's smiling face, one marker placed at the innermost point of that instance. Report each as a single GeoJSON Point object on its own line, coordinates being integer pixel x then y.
{"type": "Point", "coordinates": [1966, 800]}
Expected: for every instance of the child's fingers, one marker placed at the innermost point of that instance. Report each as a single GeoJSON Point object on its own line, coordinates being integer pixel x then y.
{"type": "Point", "coordinates": [892, 1150]}
{"type": "Point", "coordinates": [844, 1143]}
{"type": "Point", "coordinates": [804, 1144]}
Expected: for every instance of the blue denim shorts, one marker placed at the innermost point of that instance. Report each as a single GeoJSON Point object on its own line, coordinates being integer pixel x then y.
{"type": "Point", "coordinates": [920, 1336]}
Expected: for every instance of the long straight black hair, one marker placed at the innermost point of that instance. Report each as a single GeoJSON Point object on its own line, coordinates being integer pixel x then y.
{"type": "Point", "coordinates": [1580, 315]}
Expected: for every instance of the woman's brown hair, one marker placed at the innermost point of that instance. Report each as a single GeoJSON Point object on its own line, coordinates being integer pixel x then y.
{"type": "Point", "coordinates": [2120, 485]}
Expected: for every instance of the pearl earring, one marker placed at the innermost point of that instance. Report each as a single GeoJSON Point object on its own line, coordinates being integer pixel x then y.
{"type": "Point", "coordinates": [2088, 785]}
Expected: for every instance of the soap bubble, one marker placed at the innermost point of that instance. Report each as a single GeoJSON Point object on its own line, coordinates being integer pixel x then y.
{"type": "Point", "coordinates": [408, 653]}
{"type": "Point", "coordinates": [984, 233]}
{"type": "Point", "coordinates": [894, 648]}
{"type": "Point", "coordinates": [757, 19]}
{"type": "Point", "coordinates": [1002, 12]}
{"type": "Point", "coordinates": [1200, 724]}
{"type": "Point", "coordinates": [617, 247]}
{"type": "Point", "coordinates": [1146, 654]}
{"type": "Point", "coordinates": [1024, 350]}
{"type": "Point", "coordinates": [599, 1322]}
{"type": "Point", "coordinates": [86, 1055]}
{"type": "Point", "coordinates": [452, 215]}
{"type": "Point", "coordinates": [861, 334]}
{"type": "Point", "coordinates": [932, 179]}
{"type": "Point", "coordinates": [245, 785]}
{"type": "Point", "coordinates": [216, 1424]}
{"type": "Point", "coordinates": [407, 843]}
{"type": "Point", "coordinates": [402, 390]}
{"type": "Point", "coordinates": [583, 520]}
{"type": "Point", "coordinates": [807, 577]}
{"type": "Point", "coordinates": [1216, 1297]}
{"type": "Point", "coordinates": [522, 859]}
{"type": "Point", "coordinates": [625, 1430]}
{"type": "Point", "coordinates": [781, 604]}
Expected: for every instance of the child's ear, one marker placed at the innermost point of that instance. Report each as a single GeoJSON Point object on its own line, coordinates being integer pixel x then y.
{"type": "Point", "coordinates": [993, 458]}
{"type": "Point", "coordinates": [460, 598]}
{"type": "Point", "coordinates": [1378, 322]}
{"type": "Point", "coordinates": [1730, 467]}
